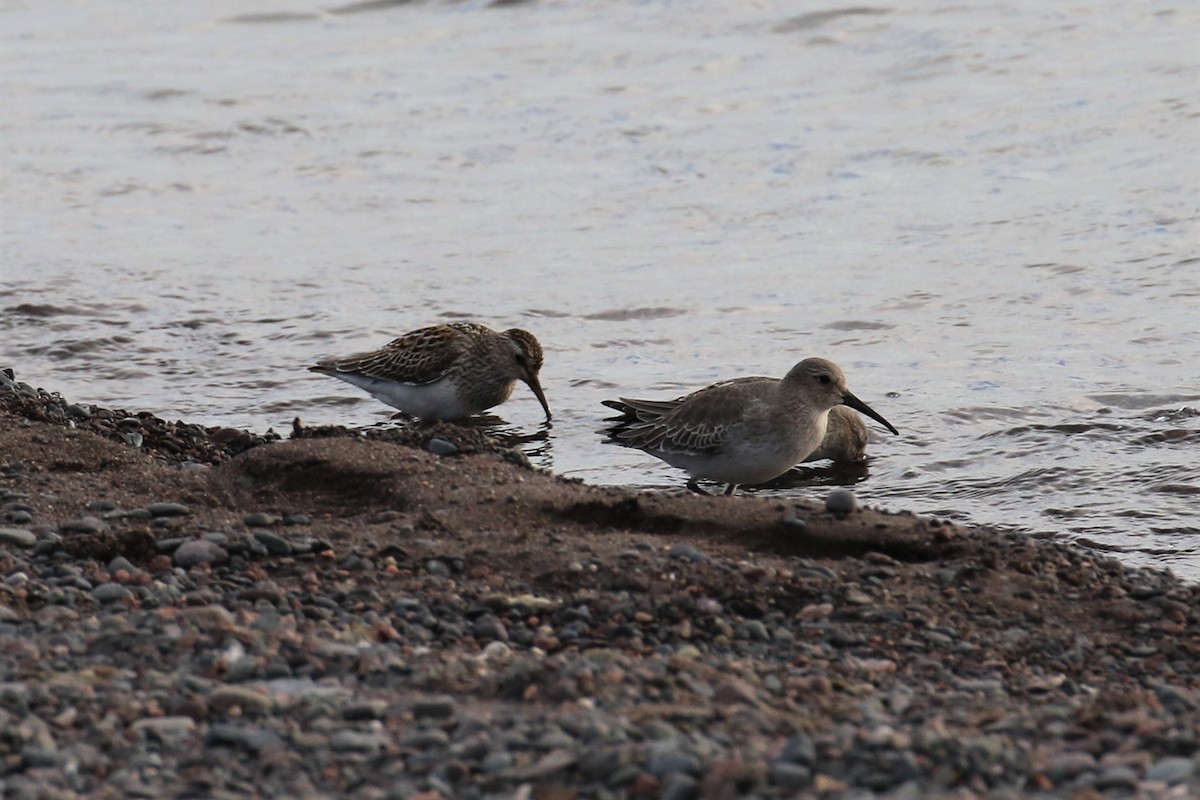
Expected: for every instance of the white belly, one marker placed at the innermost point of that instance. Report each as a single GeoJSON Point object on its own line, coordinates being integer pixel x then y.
{"type": "Point", "coordinates": [437, 400]}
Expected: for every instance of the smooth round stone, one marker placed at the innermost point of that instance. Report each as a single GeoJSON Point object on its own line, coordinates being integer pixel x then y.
{"type": "Point", "coordinates": [168, 509]}
{"type": "Point", "coordinates": [276, 545]}
{"type": "Point", "coordinates": [77, 411]}
{"type": "Point", "coordinates": [687, 553]}
{"type": "Point", "coordinates": [121, 563]}
{"type": "Point", "coordinates": [20, 517]}
{"type": "Point", "coordinates": [83, 525]}
{"type": "Point", "coordinates": [1119, 778]}
{"type": "Point", "coordinates": [199, 551]}
{"type": "Point", "coordinates": [260, 519]}
{"type": "Point", "coordinates": [442, 707]}
{"type": "Point", "coordinates": [344, 741]}
{"type": "Point", "coordinates": [667, 760]}
{"type": "Point", "coordinates": [17, 537]}
{"type": "Point", "coordinates": [841, 502]}
{"type": "Point", "coordinates": [110, 593]}
{"type": "Point", "coordinates": [440, 447]}
{"type": "Point", "coordinates": [1171, 770]}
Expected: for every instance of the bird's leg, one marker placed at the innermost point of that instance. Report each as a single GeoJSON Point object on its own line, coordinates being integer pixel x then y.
{"type": "Point", "coordinates": [729, 490]}
{"type": "Point", "coordinates": [695, 487]}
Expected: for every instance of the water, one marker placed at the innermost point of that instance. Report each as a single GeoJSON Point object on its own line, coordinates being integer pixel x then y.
{"type": "Point", "coordinates": [985, 213]}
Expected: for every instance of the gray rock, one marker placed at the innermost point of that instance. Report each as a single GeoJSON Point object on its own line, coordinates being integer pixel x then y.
{"type": "Point", "coordinates": [841, 502]}
{"type": "Point", "coordinates": [111, 593]}
{"type": "Point", "coordinates": [168, 510]}
{"type": "Point", "coordinates": [443, 707]}
{"type": "Point", "coordinates": [120, 563]}
{"type": "Point", "coordinates": [790, 775]}
{"type": "Point", "coordinates": [366, 709]}
{"type": "Point", "coordinates": [164, 728]}
{"type": "Point", "coordinates": [199, 551]}
{"type": "Point", "coordinates": [276, 545]}
{"type": "Point", "coordinates": [17, 537]}
{"type": "Point", "coordinates": [350, 741]}
{"type": "Point", "coordinates": [666, 758]}
{"type": "Point", "coordinates": [8, 615]}
{"type": "Point", "coordinates": [678, 787]}
{"type": "Point", "coordinates": [799, 749]}
{"type": "Point", "coordinates": [19, 517]}
{"type": "Point", "coordinates": [83, 525]}
{"type": "Point", "coordinates": [259, 519]}
{"type": "Point", "coordinates": [1062, 766]}
{"type": "Point", "coordinates": [1120, 778]}
{"type": "Point", "coordinates": [1171, 770]}
{"type": "Point", "coordinates": [687, 553]}
{"type": "Point", "coordinates": [440, 447]}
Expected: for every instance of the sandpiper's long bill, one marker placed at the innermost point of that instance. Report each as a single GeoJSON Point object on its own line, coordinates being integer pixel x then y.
{"type": "Point", "coordinates": [744, 430]}
{"type": "Point", "coordinates": [445, 372]}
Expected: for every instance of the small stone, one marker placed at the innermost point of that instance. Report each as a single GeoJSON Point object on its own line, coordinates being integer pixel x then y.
{"type": "Point", "coordinates": [76, 411]}
{"type": "Point", "coordinates": [349, 741]}
{"type": "Point", "coordinates": [224, 698]}
{"type": "Point", "coordinates": [276, 545]}
{"type": "Point", "coordinates": [111, 593]}
{"type": "Point", "coordinates": [8, 615]}
{"type": "Point", "coordinates": [367, 709]}
{"type": "Point", "coordinates": [440, 447]}
{"type": "Point", "coordinates": [668, 759]}
{"type": "Point", "coordinates": [19, 517]}
{"type": "Point", "coordinates": [1120, 778]}
{"type": "Point", "coordinates": [168, 510]}
{"type": "Point", "coordinates": [790, 775]}
{"type": "Point", "coordinates": [1063, 766]}
{"type": "Point", "coordinates": [120, 563]}
{"type": "Point", "coordinates": [17, 537]}
{"type": "Point", "coordinates": [442, 707]}
{"type": "Point", "coordinates": [164, 728]}
{"type": "Point", "coordinates": [259, 519]}
{"type": "Point", "coordinates": [841, 502]}
{"type": "Point", "coordinates": [89, 525]}
{"type": "Point", "coordinates": [678, 787]}
{"type": "Point", "coordinates": [1171, 770]}
{"type": "Point", "coordinates": [687, 553]}
{"type": "Point", "coordinates": [199, 551]}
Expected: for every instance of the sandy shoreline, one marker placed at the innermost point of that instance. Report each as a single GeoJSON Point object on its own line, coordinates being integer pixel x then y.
{"type": "Point", "coordinates": [208, 613]}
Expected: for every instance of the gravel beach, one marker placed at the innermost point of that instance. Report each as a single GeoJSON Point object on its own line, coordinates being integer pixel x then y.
{"type": "Point", "coordinates": [209, 613]}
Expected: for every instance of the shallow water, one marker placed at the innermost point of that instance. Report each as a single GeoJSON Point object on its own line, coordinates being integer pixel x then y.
{"type": "Point", "coordinates": [986, 214]}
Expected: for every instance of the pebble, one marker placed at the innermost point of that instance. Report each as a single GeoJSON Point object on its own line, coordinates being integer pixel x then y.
{"type": "Point", "coordinates": [275, 544]}
{"type": "Point", "coordinates": [443, 707]}
{"type": "Point", "coordinates": [227, 697]}
{"type": "Point", "coordinates": [19, 516]}
{"type": "Point", "coordinates": [1171, 770]}
{"type": "Point", "coordinates": [440, 447]}
{"type": "Point", "coordinates": [86, 525]}
{"type": "Point", "coordinates": [687, 552]}
{"type": "Point", "coordinates": [199, 551]}
{"type": "Point", "coordinates": [17, 537]}
{"type": "Point", "coordinates": [355, 741]}
{"type": "Point", "coordinates": [260, 519]}
{"type": "Point", "coordinates": [841, 502]}
{"type": "Point", "coordinates": [168, 510]}
{"type": "Point", "coordinates": [111, 593]}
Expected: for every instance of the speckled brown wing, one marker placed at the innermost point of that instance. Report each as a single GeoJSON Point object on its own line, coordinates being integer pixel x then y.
{"type": "Point", "coordinates": [696, 424]}
{"type": "Point", "coordinates": [421, 356]}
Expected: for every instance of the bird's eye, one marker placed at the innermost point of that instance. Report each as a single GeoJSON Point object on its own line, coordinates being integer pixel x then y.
{"type": "Point", "coordinates": [520, 359]}
{"type": "Point", "coordinates": [825, 379]}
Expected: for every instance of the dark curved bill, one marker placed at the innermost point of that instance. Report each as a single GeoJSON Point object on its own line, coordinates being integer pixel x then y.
{"type": "Point", "coordinates": [541, 396]}
{"type": "Point", "coordinates": [849, 399]}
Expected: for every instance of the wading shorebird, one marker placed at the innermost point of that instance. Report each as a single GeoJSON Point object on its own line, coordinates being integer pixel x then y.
{"type": "Point", "coordinates": [445, 372]}
{"type": "Point", "coordinates": [744, 430]}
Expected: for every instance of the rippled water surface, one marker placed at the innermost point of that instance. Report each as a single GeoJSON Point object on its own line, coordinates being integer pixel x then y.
{"type": "Point", "coordinates": [985, 213]}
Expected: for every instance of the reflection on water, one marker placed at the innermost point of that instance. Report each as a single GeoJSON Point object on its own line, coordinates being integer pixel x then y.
{"type": "Point", "coordinates": [995, 241]}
